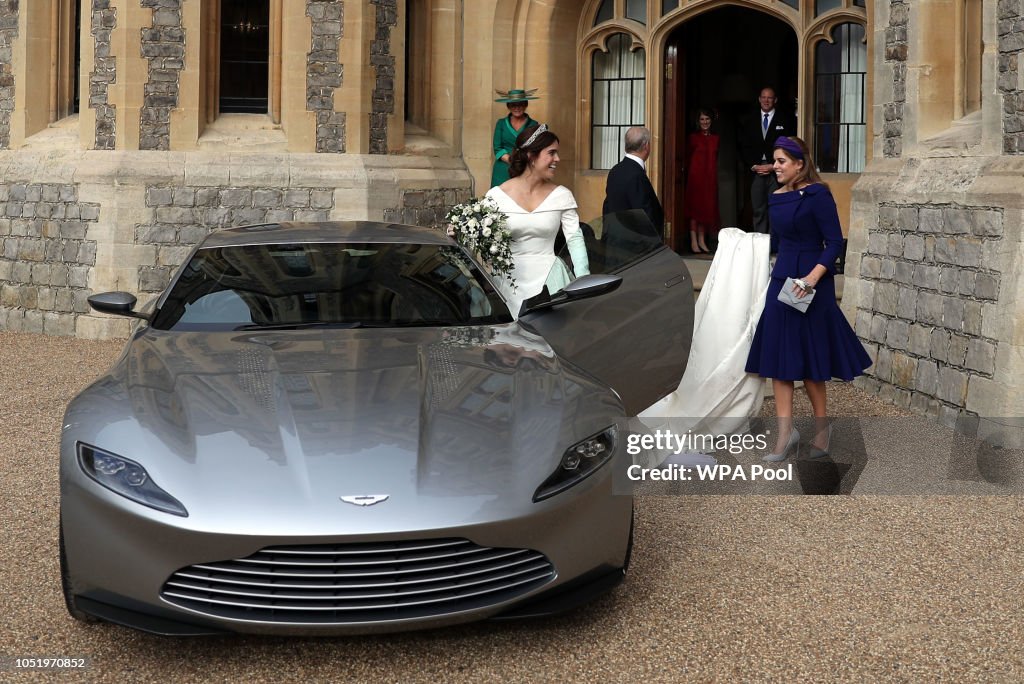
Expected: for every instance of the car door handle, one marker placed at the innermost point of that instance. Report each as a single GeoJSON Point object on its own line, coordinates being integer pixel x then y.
{"type": "Point", "coordinates": [675, 281]}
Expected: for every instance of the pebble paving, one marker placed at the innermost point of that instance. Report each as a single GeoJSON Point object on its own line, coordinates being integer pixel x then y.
{"type": "Point", "coordinates": [721, 588]}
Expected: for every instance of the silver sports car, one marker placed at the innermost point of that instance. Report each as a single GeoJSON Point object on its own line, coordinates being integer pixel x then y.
{"type": "Point", "coordinates": [341, 428]}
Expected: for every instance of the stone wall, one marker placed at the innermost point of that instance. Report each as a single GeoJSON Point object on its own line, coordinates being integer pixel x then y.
{"type": "Point", "coordinates": [88, 221]}
{"type": "Point", "coordinates": [931, 291]}
{"type": "Point", "coordinates": [8, 34]}
{"type": "Point", "coordinates": [1011, 73]}
{"type": "Point", "coordinates": [384, 66]}
{"type": "Point", "coordinates": [183, 215]}
{"type": "Point", "coordinates": [103, 21]}
{"type": "Point", "coordinates": [426, 207]}
{"type": "Point", "coordinates": [324, 72]}
{"type": "Point", "coordinates": [46, 256]}
{"type": "Point", "coordinates": [163, 45]}
{"type": "Point", "coordinates": [896, 47]}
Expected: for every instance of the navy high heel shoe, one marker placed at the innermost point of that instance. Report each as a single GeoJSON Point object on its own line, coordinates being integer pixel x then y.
{"type": "Point", "coordinates": [822, 453]}
{"type": "Point", "coordinates": [794, 441]}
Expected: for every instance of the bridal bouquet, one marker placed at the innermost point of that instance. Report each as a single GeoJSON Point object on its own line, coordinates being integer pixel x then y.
{"type": "Point", "coordinates": [482, 229]}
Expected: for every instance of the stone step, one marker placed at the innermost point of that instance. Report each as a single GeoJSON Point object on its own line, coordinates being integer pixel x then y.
{"type": "Point", "coordinates": [699, 268]}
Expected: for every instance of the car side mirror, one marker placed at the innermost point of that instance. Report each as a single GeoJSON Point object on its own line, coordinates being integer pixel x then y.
{"type": "Point", "coordinates": [584, 287]}
{"type": "Point", "coordinates": [116, 303]}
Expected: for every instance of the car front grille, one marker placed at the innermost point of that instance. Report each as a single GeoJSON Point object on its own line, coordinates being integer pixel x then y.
{"type": "Point", "coordinates": [355, 583]}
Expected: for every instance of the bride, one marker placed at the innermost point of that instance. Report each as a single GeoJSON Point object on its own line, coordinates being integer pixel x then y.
{"type": "Point", "coordinates": [536, 208]}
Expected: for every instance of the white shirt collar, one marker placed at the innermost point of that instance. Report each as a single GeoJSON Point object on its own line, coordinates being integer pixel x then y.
{"type": "Point", "coordinates": [638, 160]}
{"type": "Point", "coordinates": [770, 113]}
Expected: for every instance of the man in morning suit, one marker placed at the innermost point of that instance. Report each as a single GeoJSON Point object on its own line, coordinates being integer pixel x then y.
{"type": "Point", "coordinates": [757, 141]}
{"type": "Point", "coordinates": [628, 186]}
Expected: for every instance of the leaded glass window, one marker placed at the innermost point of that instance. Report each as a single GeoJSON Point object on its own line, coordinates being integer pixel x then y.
{"type": "Point", "coordinates": [618, 98]}
{"type": "Point", "coordinates": [840, 123]}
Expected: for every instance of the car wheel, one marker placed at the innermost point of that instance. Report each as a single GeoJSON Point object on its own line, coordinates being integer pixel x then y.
{"type": "Point", "coordinates": [629, 545]}
{"type": "Point", "coordinates": [69, 598]}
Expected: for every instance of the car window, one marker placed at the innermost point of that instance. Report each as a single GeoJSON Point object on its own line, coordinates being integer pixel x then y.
{"type": "Point", "coordinates": [617, 240]}
{"type": "Point", "coordinates": [343, 284]}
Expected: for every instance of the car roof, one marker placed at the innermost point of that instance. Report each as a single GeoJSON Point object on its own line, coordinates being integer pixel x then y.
{"type": "Point", "coordinates": [325, 232]}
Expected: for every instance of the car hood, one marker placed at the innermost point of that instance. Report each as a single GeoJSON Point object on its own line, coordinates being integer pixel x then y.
{"type": "Point", "coordinates": [452, 424]}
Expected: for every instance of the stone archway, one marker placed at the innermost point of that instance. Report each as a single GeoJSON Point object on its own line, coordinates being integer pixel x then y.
{"type": "Point", "coordinates": [701, 70]}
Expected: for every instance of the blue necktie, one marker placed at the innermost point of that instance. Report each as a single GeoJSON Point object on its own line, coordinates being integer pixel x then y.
{"type": "Point", "coordinates": [764, 126]}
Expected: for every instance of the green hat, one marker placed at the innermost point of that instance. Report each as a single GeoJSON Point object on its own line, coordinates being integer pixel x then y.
{"type": "Point", "coordinates": [516, 95]}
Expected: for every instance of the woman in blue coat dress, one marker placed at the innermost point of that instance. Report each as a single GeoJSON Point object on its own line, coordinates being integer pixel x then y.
{"type": "Point", "coordinates": [816, 345]}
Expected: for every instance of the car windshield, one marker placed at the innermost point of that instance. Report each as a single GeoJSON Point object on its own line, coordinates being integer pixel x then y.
{"type": "Point", "coordinates": [347, 285]}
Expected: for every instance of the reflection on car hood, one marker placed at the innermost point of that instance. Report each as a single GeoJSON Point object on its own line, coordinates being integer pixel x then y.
{"type": "Point", "coordinates": [285, 423]}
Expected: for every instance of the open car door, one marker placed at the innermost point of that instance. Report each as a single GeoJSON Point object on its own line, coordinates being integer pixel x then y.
{"type": "Point", "coordinates": [636, 338]}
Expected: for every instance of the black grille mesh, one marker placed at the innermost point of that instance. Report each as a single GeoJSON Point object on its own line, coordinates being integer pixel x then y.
{"type": "Point", "coordinates": [353, 583]}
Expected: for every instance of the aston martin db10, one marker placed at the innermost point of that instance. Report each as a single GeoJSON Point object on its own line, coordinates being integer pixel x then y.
{"type": "Point", "coordinates": [341, 428]}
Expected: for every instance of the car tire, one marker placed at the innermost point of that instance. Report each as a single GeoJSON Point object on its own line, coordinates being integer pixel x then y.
{"type": "Point", "coordinates": [629, 544]}
{"type": "Point", "coordinates": [65, 584]}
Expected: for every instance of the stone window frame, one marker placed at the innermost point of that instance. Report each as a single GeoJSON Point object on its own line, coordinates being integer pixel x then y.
{"type": "Point", "coordinates": [940, 108]}
{"type": "Point", "coordinates": [426, 77]}
{"type": "Point", "coordinates": [595, 39]}
{"type": "Point", "coordinates": [48, 43]}
{"type": "Point", "coordinates": [210, 63]}
{"type": "Point", "coordinates": [822, 30]}
{"type": "Point", "coordinates": [63, 44]}
{"type": "Point", "coordinates": [652, 38]}
{"type": "Point", "coordinates": [968, 26]}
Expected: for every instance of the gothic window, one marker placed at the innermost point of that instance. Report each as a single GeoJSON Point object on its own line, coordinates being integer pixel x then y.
{"type": "Point", "coordinates": [668, 5]}
{"type": "Point", "coordinates": [822, 6]}
{"type": "Point", "coordinates": [244, 56]}
{"type": "Point", "coordinates": [68, 63]}
{"type": "Point", "coordinates": [618, 97]}
{"type": "Point", "coordinates": [840, 124]}
{"type": "Point", "coordinates": [605, 12]}
{"type": "Point", "coordinates": [637, 10]}
{"type": "Point", "coordinates": [969, 59]}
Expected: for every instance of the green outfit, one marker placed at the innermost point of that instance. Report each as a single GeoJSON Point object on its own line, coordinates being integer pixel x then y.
{"type": "Point", "coordinates": [504, 142]}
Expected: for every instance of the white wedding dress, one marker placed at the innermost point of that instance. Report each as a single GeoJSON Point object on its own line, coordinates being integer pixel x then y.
{"type": "Point", "coordinates": [533, 245]}
{"type": "Point", "coordinates": [716, 395]}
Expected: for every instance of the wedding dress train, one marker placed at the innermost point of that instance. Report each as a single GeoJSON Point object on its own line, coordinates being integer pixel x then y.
{"type": "Point", "coordinates": [716, 395]}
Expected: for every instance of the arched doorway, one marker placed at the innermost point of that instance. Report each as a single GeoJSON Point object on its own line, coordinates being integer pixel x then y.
{"type": "Point", "coordinates": [720, 60]}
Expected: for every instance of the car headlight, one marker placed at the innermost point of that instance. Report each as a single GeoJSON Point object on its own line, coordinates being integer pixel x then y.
{"type": "Point", "coordinates": [579, 462]}
{"type": "Point", "coordinates": [127, 478]}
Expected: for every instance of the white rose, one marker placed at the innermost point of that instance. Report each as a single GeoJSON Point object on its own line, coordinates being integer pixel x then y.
{"type": "Point", "coordinates": [488, 221]}
{"type": "Point", "coordinates": [473, 223]}
{"type": "Point", "coordinates": [486, 231]}
{"type": "Point", "coordinates": [494, 249]}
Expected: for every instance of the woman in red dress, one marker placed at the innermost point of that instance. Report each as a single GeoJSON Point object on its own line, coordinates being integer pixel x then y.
{"type": "Point", "coordinates": [701, 201]}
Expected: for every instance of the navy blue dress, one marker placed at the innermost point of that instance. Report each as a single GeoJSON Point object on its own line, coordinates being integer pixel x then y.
{"type": "Point", "coordinates": [818, 344]}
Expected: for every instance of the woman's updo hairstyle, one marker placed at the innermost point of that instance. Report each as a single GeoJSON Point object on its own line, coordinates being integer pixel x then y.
{"type": "Point", "coordinates": [521, 156]}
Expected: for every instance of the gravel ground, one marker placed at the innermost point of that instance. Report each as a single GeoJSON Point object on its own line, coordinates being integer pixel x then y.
{"type": "Point", "coordinates": [757, 588]}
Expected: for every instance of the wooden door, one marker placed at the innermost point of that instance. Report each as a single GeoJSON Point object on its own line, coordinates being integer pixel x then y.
{"type": "Point", "coordinates": [674, 150]}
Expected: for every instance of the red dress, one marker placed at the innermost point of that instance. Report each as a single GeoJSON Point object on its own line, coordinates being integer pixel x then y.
{"type": "Point", "coordinates": [701, 201]}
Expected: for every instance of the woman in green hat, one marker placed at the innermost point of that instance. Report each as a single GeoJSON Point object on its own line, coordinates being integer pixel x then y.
{"type": "Point", "coordinates": [506, 129]}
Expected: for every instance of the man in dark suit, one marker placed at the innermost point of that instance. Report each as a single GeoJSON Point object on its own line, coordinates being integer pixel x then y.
{"type": "Point", "coordinates": [757, 141]}
{"type": "Point", "coordinates": [628, 186]}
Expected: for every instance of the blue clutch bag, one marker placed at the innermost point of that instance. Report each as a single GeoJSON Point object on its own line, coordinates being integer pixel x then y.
{"type": "Point", "coordinates": [787, 297]}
